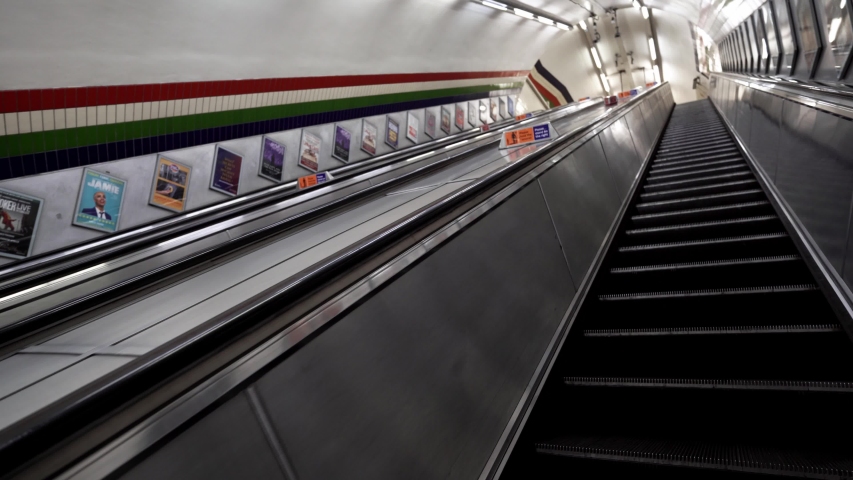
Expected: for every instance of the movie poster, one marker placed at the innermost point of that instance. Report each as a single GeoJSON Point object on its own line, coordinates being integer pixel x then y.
{"type": "Point", "coordinates": [430, 123]}
{"type": "Point", "coordinates": [392, 133]}
{"type": "Point", "coordinates": [19, 219]}
{"type": "Point", "coordinates": [309, 151]}
{"type": "Point", "coordinates": [99, 202]}
{"type": "Point", "coordinates": [225, 177]}
{"type": "Point", "coordinates": [493, 109]}
{"type": "Point", "coordinates": [171, 184]}
{"type": "Point", "coordinates": [510, 106]}
{"type": "Point", "coordinates": [484, 111]}
{"type": "Point", "coordinates": [413, 127]}
{"type": "Point", "coordinates": [472, 114]}
{"type": "Point", "coordinates": [342, 141]}
{"type": "Point", "coordinates": [460, 118]}
{"type": "Point", "coordinates": [445, 120]}
{"type": "Point", "coordinates": [369, 134]}
{"type": "Point", "coordinates": [272, 160]}
{"type": "Point", "coordinates": [503, 111]}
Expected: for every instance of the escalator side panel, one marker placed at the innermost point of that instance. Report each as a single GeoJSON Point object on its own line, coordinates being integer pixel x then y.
{"type": "Point", "coordinates": [621, 156]}
{"type": "Point", "coordinates": [764, 143]}
{"type": "Point", "coordinates": [639, 132]}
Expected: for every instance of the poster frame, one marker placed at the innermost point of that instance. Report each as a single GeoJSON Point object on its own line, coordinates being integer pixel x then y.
{"type": "Point", "coordinates": [213, 171]}
{"type": "Point", "coordinates": [365, 122]}
{"type": "Point", "coordinates": [335, 128]}
{"type": "Point", "coordinates": [157, 176]}
{"type": "Point", "coordinates": [299, 152]}
{"type": "Point", "coordinates": [388, 122]}
{"type": "Point", "coordinates": [35, 224]}
{"type": "Point", "coordinates": [264, 138]}
{"type": "Point", "coordinates": [409, 117]}
{"type": "Point", "coordinates": [80, 200]}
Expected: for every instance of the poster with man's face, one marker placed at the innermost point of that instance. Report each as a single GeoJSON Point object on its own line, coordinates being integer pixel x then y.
{"type": "Point", "coordinates": [100, 200]}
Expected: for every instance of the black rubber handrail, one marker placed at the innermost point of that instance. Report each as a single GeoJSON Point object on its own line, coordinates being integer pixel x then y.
{"type": "Point", "coordinates": [41, 431]}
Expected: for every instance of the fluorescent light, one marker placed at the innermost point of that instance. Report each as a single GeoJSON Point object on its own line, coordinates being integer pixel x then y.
{"type": "Point", "coordinates": [843, 4]}
{"type": "Point", "coordinates": [763, 48]}
{"type": "Point", "coordinates": [523, 13]}
{"type": "Point", "coordinates": [596, 57]}
{"type": "Point", "coordinates": [496, 5]}
{"type": "Point", "coordinates": [833, 29]}
{"type": "Point", "coordinates": [645, 11]}
{"type": "Point", "coordinates": [656, 73]}
{"type": "Point", "coordinates": [636, 4]}
{"type": "Point", "coordinates": [562, 26]}
{"type": "Point", "coordinates": [605, 82]}
{"type": "Point", "coordinates": [582, 25]}
{"type": "Point", "coordinates": [546, 21]}
{"type": "Point", "coordinates": [652, 50]}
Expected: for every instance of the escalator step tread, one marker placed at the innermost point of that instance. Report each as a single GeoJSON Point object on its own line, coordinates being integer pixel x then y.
{"type": "Point", "coordinates": [704, 264]}
{"type": "Point", "coordinates": [690, 211]}
{"type": "Point", "coordinates": [655, 178]}
{"type": "Point", "coordinates": [667, 163]}
{"type": "Point", "coordinates": [714, 196]}
{"type": "Point", "coordinates": [698, 165]}
{"type": "Point", "coordinates": [703, 454]}
{"type": "Point", "coordinates": [738, 330]}
{"type": "Point", "coordinates": [688, 226]}
{"type": "Point", "coordinates": [708, 241]}
{"type": "Point", "coordinates": [704, 383]}
{"type": "Point", "coordinates": [698, 180]}
{"type": "Point", "coordinates": [709, 292]}
{"type": "Point", "coordinates": [698, 189]}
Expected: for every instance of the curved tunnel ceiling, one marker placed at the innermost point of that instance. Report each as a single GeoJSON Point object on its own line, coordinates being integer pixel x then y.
{"type": "Point", "coordinates": [716, 17]}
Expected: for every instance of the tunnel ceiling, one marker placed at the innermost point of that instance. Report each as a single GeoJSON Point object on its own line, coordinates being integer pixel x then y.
{"type": "Point", "coordinates": [716, 17]}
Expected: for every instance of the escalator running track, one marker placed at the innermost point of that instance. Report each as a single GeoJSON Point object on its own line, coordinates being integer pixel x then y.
{"type": "Point", "coordinates": [705, 348]}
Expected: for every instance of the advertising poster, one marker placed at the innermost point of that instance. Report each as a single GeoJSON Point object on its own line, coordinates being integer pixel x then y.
{"type": "Point", "coordinates": [309, 151]}
{"type": "Point", "coordinates": [503, 111]}
{"type": "Point", "coordinates": [272, 160]}
{"type": "Point", "coordinates": [225, 177]}
{"type": "Point", "coordinates": [369, 134]}
{"type": "Point", "coordinates": [445, 120]}
{"type": "Point", "coordinates": [342, 141]}
{"type": "Point", "coordinates": [413, 127]}
{"type": "Point", "coordinates": [99, 202]}
{"type": "Point", "coordinates": [19, 219]}
{"type": "Point", "coordinates": [430, 123]}
{"type": "Point", "coordinates": [171, 181]}
{"type": "Point", "coordinates": [510, 106]}
{"type": "Point", "coordinates": [392, 133]}
{"type": "Point", "coordinates": [472, 113]}
{"type": "Point", "coordinates": [484, 111]}
{"type": "Point", "coordinates": [493, 109]}
{"type": "Point", "coordinates": [460, 118]}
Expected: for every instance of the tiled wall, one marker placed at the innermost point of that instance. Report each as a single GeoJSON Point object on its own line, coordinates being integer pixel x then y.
{"type": "Point", "coordinates": [53, 129]}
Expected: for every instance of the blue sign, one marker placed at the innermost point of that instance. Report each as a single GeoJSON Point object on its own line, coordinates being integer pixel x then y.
{"type": "Point", "coordinates": [541, 132]}
{"type": "Point", "coordinates": [99, 202]}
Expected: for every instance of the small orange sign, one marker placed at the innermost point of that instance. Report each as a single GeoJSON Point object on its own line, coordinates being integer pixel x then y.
{"type": "Point", "coordinates": [516, 137]}
{"type": "Point", "coordinates": [520, 117]}
{"type": "Point", "coordinates": [312, 180]}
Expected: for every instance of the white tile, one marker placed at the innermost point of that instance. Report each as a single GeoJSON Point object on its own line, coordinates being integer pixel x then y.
{"type": "Point", "coordinates": [11, 123]}
{"type": "Point", "coordinates": [241, 102]}
{"type": "Point", "coordinates": [24, 125]}
{"type": "Point", "coordinates": [102, 114]}
{"type": "Point", "coordinates": [155, 109]}
{"type": "Point", "coordinates": [111, 114]}
{"type": "Point", "coordinates": [91, 116]}
{"type": "Point", "coordinates": [192, 108]}
{"type": "Point", "coordinates": [170, 108]}
{"type": "Point", "coordinates": [121, 110]}
{"type": "Point", "coordinates": [36, 121]}
{"type": "Point", "coordinates": [218, 107]}
{"type": "Point", "coordinates": [146, 110]}
{"type": "Point", "coordinates": [80, 116]}
{"type": "Point", "coordinates": [137, 111]}
{"type": "Point", "coordinates": [265, 101]}
{"type": "Point", "coordinates": [230, 105]}
{"type": "Point", "coordinates": [161, 113]}
{"type": "Point", "coordinates": [2, 124]}
{"type": "Point", "coordinates": [205, 105]}
{"type": "Point", "coordinates": [47, 118]}
{"type": "Point", "coordinates": [59, 118]}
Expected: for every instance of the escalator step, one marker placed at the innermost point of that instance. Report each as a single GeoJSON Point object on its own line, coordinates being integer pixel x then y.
{"type": "Point", "coordinates": [706, 138]}
{"type": "Point", "coordinates": [704, 188]}
{"type": "Point", "coordinates": [692, 211]}
{"type": "Point", "coordinates": [697, 243]}
{"type": "Point", "coordinates": [711, 292]}
{"type": "Point", "coordinates": [697, 165]}
{"type": "Point", "coordinates": [696, 181]}
{"type": "Point", "coordinates": [702, 158]}
{"type": "Point", "coordinates": [702, 199]}
{"type": "Point", "coordinates": [703, 147]}
{"type": "Point", "coordinates": [669, 176]}
{"type": "Point", "coordinates": [679, 331]}
{"type": "Point", "coordinates": [695, 152]}
{"type": "Point", "coordinates": [727, 456]}
{"type": "Point", "coordinates": [691, 226]}
{"type": "Point", "coordinates": [702, 383]}
{"type": "Point", "coordinates": [705, 264]}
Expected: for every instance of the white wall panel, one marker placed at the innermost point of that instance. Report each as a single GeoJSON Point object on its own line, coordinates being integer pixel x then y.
{"type": "Point", "coordinates": [677, 56]}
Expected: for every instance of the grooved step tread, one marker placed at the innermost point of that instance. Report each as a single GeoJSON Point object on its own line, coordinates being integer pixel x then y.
{"type": "Point", "coordinates": [704, 264]}
{"type": "Point", "coordinates": [690, 211]}
{"type": "Point", "coordinates": [653, 178]}
{"type": "Point", "coordinates": [681, 331]}
{"type": "Point", "coordinates": [688, 226]}
{"type": "Point", "coordinates": [698, 189]}
{"type": "Point", "coordinates": [709, 292]}
{"type": "Point", "coordinates": [707, 241]}
{"type": "Point", "coordinates": [714, 196]}
{"type": "Point", "coordinates": [697, 180]}
{"type": "Point", "coordinates": [702, 454]}
{"type": "Point", "coordinates": [698, 165]}
{"type": "Point", "coordinates": [667, 163]}
{"type": "Point", "coordinates": [702, 383]}
{"type": "Point", "coordinates": [693, 152]}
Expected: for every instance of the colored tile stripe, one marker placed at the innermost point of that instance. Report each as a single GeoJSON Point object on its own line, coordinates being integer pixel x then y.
{"type": "Point", "coordinates": [549, 97]}
{"type": "Point", "coordinates": [36, 142]}
{"type": "Point", "coordinates": [547, 77]}
{"type": "Point", "coordinates": [67, 156]}
{"type": "Point", "coordinates": [77, 97]}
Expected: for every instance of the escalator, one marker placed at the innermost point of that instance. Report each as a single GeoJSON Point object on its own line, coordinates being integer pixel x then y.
{"type": "Point", "coordinates": [705, 347]}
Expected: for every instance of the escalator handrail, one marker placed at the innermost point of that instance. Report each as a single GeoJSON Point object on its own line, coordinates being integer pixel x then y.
{"type": "Point", "coordinates": [106, 394]}
{"type": "Point", "coordinates": [818, 97]}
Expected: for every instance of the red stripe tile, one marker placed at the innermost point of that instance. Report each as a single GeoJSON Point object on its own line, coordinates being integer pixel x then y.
{"type": "Point", "coordinates": [544, 91]}
{"type": "Point", "coordinates": [25, 100]}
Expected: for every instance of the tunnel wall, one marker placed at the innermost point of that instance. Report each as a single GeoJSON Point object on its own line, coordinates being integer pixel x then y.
{"type": "Point", "coordinates": [420, 380]}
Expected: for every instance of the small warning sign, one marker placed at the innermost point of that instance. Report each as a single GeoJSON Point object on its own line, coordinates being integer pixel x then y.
{"type": "Point", "coordinates": [527, 135]}
{"type": "Point", "coordinates": [309, 181]}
